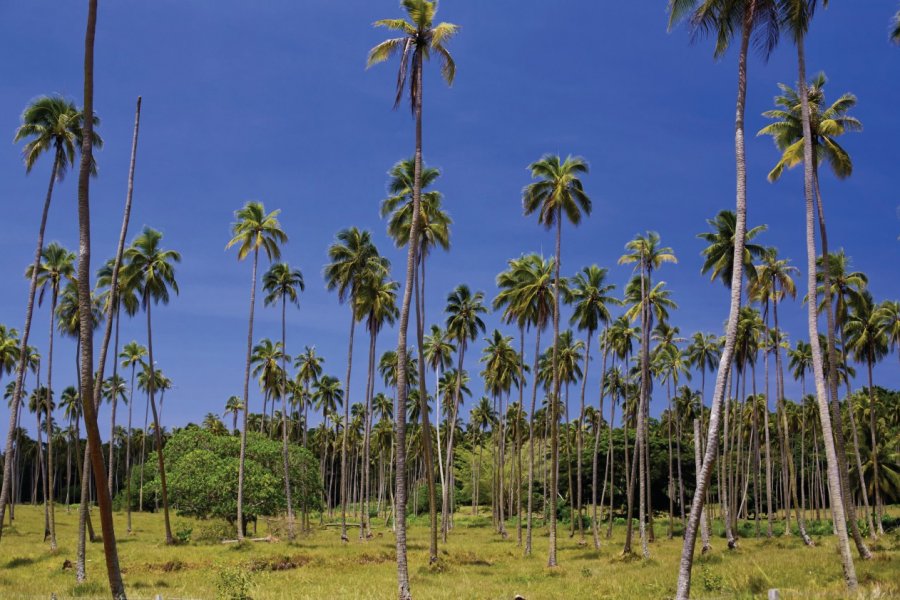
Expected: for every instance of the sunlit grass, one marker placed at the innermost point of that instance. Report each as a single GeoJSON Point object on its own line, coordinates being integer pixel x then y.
{"type": "Point", "coordinates": [475, 563]}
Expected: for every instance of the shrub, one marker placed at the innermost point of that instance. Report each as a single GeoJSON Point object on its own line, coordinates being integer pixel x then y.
{"type": "Point", "coordinates": [234, 583]}
{"type": "Point", "coordinates": [212, 531]}
{"type": "Point", "coordinates": [711, 581]}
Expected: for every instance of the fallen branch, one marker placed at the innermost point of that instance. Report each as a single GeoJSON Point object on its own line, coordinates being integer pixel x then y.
{"type": "Point", "coordinates": [268, 538]}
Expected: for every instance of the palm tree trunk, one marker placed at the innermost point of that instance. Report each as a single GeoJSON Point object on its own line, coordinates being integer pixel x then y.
{"type": "Point", "coordinates": [531, 434]}
{"type": "Point", "coordinates": [114, 575]}
{"type": "Point", "coordinates": [370, 384]}
{"type": "Point", "coordinates": [111, 463]}
{"type": "Point", "coordinates": [284, 423]}
{"type": "Point", "coordinates": [445, 523]}
{"type": "Point", "coordinates": [837, 505]}
{"type": "Point", "coordinates": [240, 492]}
{"type": "Point", "coordinates": [610, 460]}
{"type": "Point", "coordinates": [876, 479]}
{"type": "Point", "coordinates": [578, 441]}
{"type": "Point", "coordinates": [644, 399]}
{"type": "Point", "coordinates": [690, 535]}
{"type": "Point", "coordinates": [671, 485]}
{"type": "Point", "coordinates": [423, 410]}
{"type": "Point", "coordinates": [128, 454]}
{"type": "Point", "coordinates": [704, 523]}
{"type": "Point", "coordinates": [345, 484]}
{"type": "Point", "coordinates": [23, 346]}
{"type": "Point", "coordinates": [51, 510]}
{"type": "Point", "coordinates": [864, 492]}
{"type": "Point", "coordinates": [554, 397]}
{"type": "Point", "coordinates": [157, 433]}
{"type": "Point", "coordinates": [595, 521]}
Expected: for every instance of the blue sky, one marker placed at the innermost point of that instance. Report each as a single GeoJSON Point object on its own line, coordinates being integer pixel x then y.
{"type": "Point", "coordinates": [271, 101]}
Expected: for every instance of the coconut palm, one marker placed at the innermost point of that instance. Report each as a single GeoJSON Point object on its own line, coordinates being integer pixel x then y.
{"type": "Point", "coordinates": [591, 297]}
{"type": "Point", "coordinates": [266, 360]}
{"type": "Point", "coordinates": [558, 189]}
{"type": "Point", "coordinates": [113, 389]}
{"type": "Point", "coordinates": [281, 283]}
{"type": "Point", "coordinates": [420, 37]}
{"type": "Point", "coordinates": [868, 342]}
{"type": "Point", "coordinates": [890, 314]}
{"type": "Point", "coordinates": [895, 28]}
{"type": "Point", "coordinates": [132, 355]}
{"type": "Point", "coordinates": [718, 255]}
{"type": "Point", "coordinates": [328, 397]}
{"type": "Point", "coordinates": [438, 352]}
{"type": "Point", "coordinates": [376, 300]}
{"type": "Point", "coordinates": [464, 310]}
{"type": "Point", "coordinates": [51, 125]}
{"type": "Point", "coordinates": [725, 20]}
{"type": "Point", "coordinates": [70, 403]}
{"type": "Point", "coordinates": [252, 230]}
{"type": "Point", "coordinates": [150, 270]}
{"type": "Point", "coordinates": [645, 252]}
{"type": "Point", "coordinates": [309, 369]}
{"type": "Point", "coordinates": [234, 406]}
{"type": "Point", "coordinates": [354, 258]}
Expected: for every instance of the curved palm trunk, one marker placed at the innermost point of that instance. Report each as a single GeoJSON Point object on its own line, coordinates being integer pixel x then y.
{"type": "Point", "coordinates": [364, 479]}
{"type": "Point", "coordinates": [834, 482]}
{"type": "Point", "coordinates": [643, 401]}
{"type": "Point", "coordinates": [111, 463]}
{"type": "Point", "coordinates": [534, 386]}
{"type": "Point", "coordinates": [579, 442]}
{"type": "Point", "coordinates": [128, 455]}
{"type": "Point", "coordinates": [345, 483]}
{"type": "Point", "coordinates": [51, 512]}
{"type": "Point", "coordinates": [240, 492]}
{"type": "Point", "coordinates": [864, 492]}
{"type": "Point", "coordinates": [157, 433]}
{"type": "Point", "coordinates": [423, 412]}
{"type": "Point", "coordinates": [876, 480]}
{"type": "Point", "coordinates": [8, 454]}
{"type": "Point", "coordinates": [595, 521]}
{"type": "Point", "coordinates": [284, 423]}
{"type": "Point", "coordinates": [690, 535]}
{"type": "Point", "coordinates": [445, 524]}
{"type": "Point", "coordinates": [400, 408]}
{"type": "Point", "coordinates": [518, 436]}
{"type": "Point", "coordinates": [85, 318]}
{"type": "Point", "coordinates": [554, 400]}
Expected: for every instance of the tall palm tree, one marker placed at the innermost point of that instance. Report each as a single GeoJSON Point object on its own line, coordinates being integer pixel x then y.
{"type": "Point", "coordinates": [420, 37]}
{"type": "Point", "coordinates": [433, 230]}
{"type": "Point", "coordinates": [438, 351]}
{"type": "Point", "coordinates": [266, 360]}
{"type": "Point", "coordinates": [354, 258]}
{"type": "Point", "coordinates": [281, 283]}
{"type": "Point", "coordinates": [725, 20]}
{"type": "Point", "coordinates": [797, 15]}
{"type": "Point", "coordinates": [867, 340]}
{"type": "Point", "coordinates": [253, 229]}
{"type": "Point", "coordinates": [377, 302]}
{"type": "Point", "coordinates": [558, 189]}
{"type": "Point", "coordinates": [56, 264]}
{"type": "Point", "coordinates": [645, 253]}
{"type": "Point", "coordinates": [132, 355]}
{"type": "Point", "coordinates": [464, 322]}
{"type": "Point", "coordinates": [151, 271]}
{"type": "Point", "coordinates": [328, 397]}
{"type": "Point", "coordinates": [309, 369]}
{"type": "Point", "coordinates": [890, 313]}
{"type": "Point", "coordinates": [234, 406]}
{"type": "Point", "coordinates": [591, 295]}
{"type": "Point", "coordinates": [51, 124]}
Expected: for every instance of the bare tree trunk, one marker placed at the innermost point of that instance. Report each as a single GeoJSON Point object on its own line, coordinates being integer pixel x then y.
{"type": "Point", "coordinates": [837, 505]}
{"type": "Point", "coordinates": [578, 432]}
{"type": "Point", "coordinates": [240, 493]}
{"type": "Point", "coordinates": [531, 434]}
{"type": "Point", "coordinates": [554, 400]}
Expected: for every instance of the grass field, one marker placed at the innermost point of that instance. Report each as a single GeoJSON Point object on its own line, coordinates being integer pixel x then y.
{"type": "Point", "coordinates": [476, 563]}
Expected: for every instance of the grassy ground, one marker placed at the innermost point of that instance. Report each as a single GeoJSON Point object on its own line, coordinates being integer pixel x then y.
{"type": "Point", "coordinates": [476, 563]}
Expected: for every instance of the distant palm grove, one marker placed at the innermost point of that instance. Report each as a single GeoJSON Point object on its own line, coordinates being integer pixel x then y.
{"type": "Point", "coordinates": [689, 434]}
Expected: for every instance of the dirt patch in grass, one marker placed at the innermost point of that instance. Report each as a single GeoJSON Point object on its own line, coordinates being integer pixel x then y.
{"type": "Point", "coordinates": [279, 563]}
{"type": "Point", "coordinates": [467, 557]}
{"type": "Point", "coordinates": [367, 558]}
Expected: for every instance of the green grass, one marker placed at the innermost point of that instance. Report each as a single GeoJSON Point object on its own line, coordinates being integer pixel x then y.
{"type": "Point", "coordinates": [475, 563]}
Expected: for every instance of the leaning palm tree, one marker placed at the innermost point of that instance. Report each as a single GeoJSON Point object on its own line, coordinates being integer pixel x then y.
{"type": "Point", "coordinates": [724, 20]}
{"type": "Point", "coordinates": [56, 264]}
{"type": "Point", "coordinates": [150, 269]}
{"type": "Point", "coordinates": [132, 355]}
{"type": "Point", "coordinates": [645, 253]}
{"type": "Point", "coordinates": [51, 124]}
{"type": "Point", "coordinates": [354, 258]}
{"type": "Point", "coordinates": [281, 283]}
{"type": "Point", "coordinates": [252, 230]}
{"type": "Point", "coordinates": [419, 38]}
{"type": "Point", "coordinates": [591, 296]}
{"type": "Point", "coordinates": [558, 190]}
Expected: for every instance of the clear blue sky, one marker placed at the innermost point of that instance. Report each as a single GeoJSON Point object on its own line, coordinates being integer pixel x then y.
{"type": "Point", "coordinates": [271, 101]}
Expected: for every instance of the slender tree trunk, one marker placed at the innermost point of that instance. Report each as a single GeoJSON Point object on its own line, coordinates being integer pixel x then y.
{"type": "Point", "coordinates": [698, 463]}
{"type": "Point", "coordinates": [157, 427]}
{"type": "Point", "coordinates": [451, 426]}
{"type": "Point", "coordinates": [49, 419]}
{"type": "Point", "coordinates": [423, 410]}
{"type": "Point", "coordinates": [873, 432]}
{"type": "Point", "coordinates": [641, 439]}
{"type": "Point", "coordinates": [114, 402]}
{"type": "Point", "coordinates": [8, 454]}
{"type": "Point", "coordinates": [531, 434]}
{"type": "Point", "coordinates": [579, 442]}
{"type": "Point", "coordinates": [554, 399]}
{"type": "Point", "coordinates": [864, 492]}
{"type": "Point", "coordinates": [284, 422]}
{"type": "Point", "coordinates": [240, 493]}
{"type": "Point", "coordinates": [370, 384]}
{"type": "Point", "coordinates": [117, 588]}
{"type": "Point", "coordinates": [345, 483]}
{"type": "Point", "coordinates": [690, 536]}
{"type": "Point", "coordinates": [837, 505]}
{"type": "Point", "coordinates": [595, 521]}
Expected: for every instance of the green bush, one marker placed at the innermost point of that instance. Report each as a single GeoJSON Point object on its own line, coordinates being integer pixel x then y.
{"type": "Point", "coordinates": [234, 583]}
{"type": "Point", "coordinates": [212, 531]}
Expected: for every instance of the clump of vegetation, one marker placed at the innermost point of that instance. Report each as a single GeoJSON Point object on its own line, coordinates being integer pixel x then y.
{"type": "Point", "coordinates": [712, 582]}
{"type": "Point", "coordinates": [234, 583]}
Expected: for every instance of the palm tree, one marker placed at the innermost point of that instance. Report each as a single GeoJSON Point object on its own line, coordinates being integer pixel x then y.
{"type": "Point", "coordinates": [56, 264]}
{"type": "Point", "coordinates": [719, 254]}
{"type": "Point", "coordinates": [281, 282]}
{"type": "Point", "coordinates": [890, 313]}
{"type": "Point", "coordinates": [354, 258]}
{"type": "Point", "coordinates": [252, 230]}
{"type": "Point", "coordinates": [797, 17]}
{"type": "Point", "coordinates": [439, 351]}
{"type": "Point", "coordinates": [645, 252]}
{"type": "Point", "coordinates": [757, 19]}
{"type": "Point", "coordinates": [867, 340]}
{"type": "Point", "coordinates": [328, 397]}
{"type": "Point", "coordinates": [558, 189]}
{"type": "Point", "coordinates": [433, 230]}
{"type": "Point", "coordinates": [71, 405]}
{"type": "Point", "coordinates": [132, 355]}
{"type": "Point", "coordinates": [266, 359]}
{"type": "Point", "coordinates": [464, 310]}
{"type": "Point", "coordinates": [419, 38]}
{"type": "Point", "coordinates": [591, 296]}
{"type": "Point", "coordinates": [151, 271]}
{"type": "Point", "coordinates": [234, 406]}
{"type": "Point", "coordinates": [895, 28]}
{"type": "Point", "coordinates": [51, 124]}
{"type": "Point", "coordinates": [377, 301]}
{"type": "Point", "coordinates": [309, 368]}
